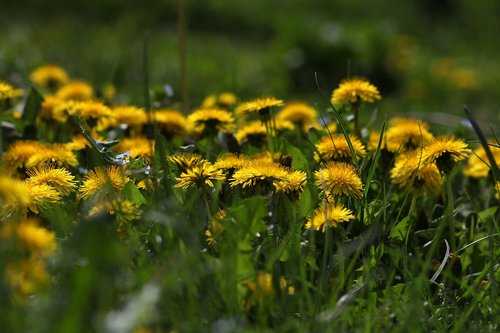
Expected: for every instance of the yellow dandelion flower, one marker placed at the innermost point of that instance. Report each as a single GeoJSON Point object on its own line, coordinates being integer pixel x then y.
{"type": "Point", "coordinates": [52, 110]}
{"type": "Point", "coordinates": [7, 91]}
{"type": "Point", "coordinates": [338, 178]}
{"type": "Point", "coordinates": [254, 133]}
{"type": "Point", "coordinates": [478, 164]}
{"type": "Point", "coordinates": [294, 182]}
{"type": "Point", "coordinates": [59, 178]}
{"type": "Point", "coordinates": [336, 148]}
{"type": "Point", "coordinates": [85, 109]}
{"type": "Point", "coordinates": [223, 100]}
{"type": "Point", "coordinates": [19, 152]}
{"type": "Point", "coordinates": [75, 90]}
{"type": "Point", "coordinates": [413, 173]}
{"type": "Point", "coordinates": [49, 75]}
{"type": "Point", "coordinates": [95, 180]}
{"type": "Point", "coordinates": [300, 114]}
{"type": "Point", "coordinates": [57, 153]}
{"type": "Point", "coordinates": [125, 211]}
{"type": "Point", "coordinates": [211, 121]}
{"type": "Point", "coordinates": [355, 90]}
{"type": "Point", "coordinates": [129, 115]}
{"type": "Point", "coordinates": [282, 125]}
{"type": "Point", "coordinates": [137, 146]}
{"type": "Point", "coordinates": [262, 285]}
{"type": "Point", "coordinates": [41, 194]}
{"type": "Point", "coordinates": [200, 176]}
{"type": "Point", "coordinates": [445, 151]}
{"type": "Point", "coordinates": [34, 238]}
{"type": "Point", "coordinates": [14, 195]}
{"type": "Point", "coordinates": [329, 215]}
{"type": "Point", "coordinates": [185, 161]}
{"type": "Point", "coordinates": [261, 175]}
{"type": "Point", "coordinates": [231, 161]}
{"type": "Point", "coordinates": [171, 122]}
{"type": "Point", "coordinates": [26, 277]}
{"type": "Point", "coordinates": [406, 134]}
{"type": "Point", "coordinates": [262, 106]}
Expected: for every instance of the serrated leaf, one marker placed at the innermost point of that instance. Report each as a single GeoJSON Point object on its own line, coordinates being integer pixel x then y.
{"type": "Point", "coordinates": [133, 194]}
{"type": "Point", "coordinates": [400, 230]}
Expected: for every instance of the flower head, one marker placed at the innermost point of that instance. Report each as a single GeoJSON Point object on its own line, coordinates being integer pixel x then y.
{"type": "Point", "coordinates": [49, 75]}
{"type": "Point", "coordinates": [185, 161]}
{"type": "Point", "coordinates": [211, 121]}
{"type": "Point", "coordinates": [86, 109]}
{"type": "Point", "coordinates": [413, 173]}
{"type": "Point", "coordinates": [129, 115]}
{"type": "Point", "coordinates": [336, 148]}
{"type": "Point", "coordinates": [406, 134]}
{"type": "Point", "coordinates": [478, 164]}
{"type": "Point", "coordinates": [59, 178]}
{"type": "Point", "coordinates": [52, 110]}
{"type": "Point", "coordinates": [262, 106]}
{"type": "Point", "coordinates": [124, 210]}
{"type": "Point", "coordinates": [36, 239]}
{"type": "Point", "coordinates": [57, 153]}
{"type": "Point", "coordinates": [254, 133]}
{"type": "Point", "coordinates": [338, 178]}
{"type": "Point", "coordinates": [75, 90]}
{"type": "Point", "coordinates": [329, 215]}
{"type": "Point", "coordinates": [300, 114]}
{"type": "Point", "coordinates": [19, 152]}
{"type": "Point", "coordinates": [171, 122]}
{"type": "Point", "coordinates": [14, 196]}
{"type": "Point", "coordinates": [231, 161]}
{"type": "Point", "coordinates": [137, 146]}
{"type": "Point", "coordinates": [355, 90]}
{"type": "Point", "coordinates": [223, 100]}
{"type": "Point", "coordinates": [445, 151]}
{"type": "Point", "coordinates": [7, 91]}
{"type": "Point", "coordinates": [200, 176]}
{"type": "Point", "coordinates": [40, 195]}
{"type": "Point", "coordinates": [95, 180]}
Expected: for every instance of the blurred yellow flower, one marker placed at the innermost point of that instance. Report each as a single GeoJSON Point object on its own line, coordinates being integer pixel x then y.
{"type": "Point", "coordinates": [75, 90]}
{"type": "Point", "coordinates": [300, 114]}
{"type": "Point", "coordinates": [171, 122]}
{"type": "Point", "coordinates": [406, 134]}
{"type": "Point", "coordinates": [57, 153]}
{"type": "Point", "coordinates": [32, 237]}
{"type": "Point", "coordinates": [41, 194]}
{"type": "Point", "coordinates": [478, 164]}
{"type": "Point", "coordinates": [262, 106]}
{"type": "Point", "coordinates": [137, 146]}
{"type": "Point", "coordinates": [211, 121]}
{"type": "Point", "coordinates": [7, 91]}
{"type": "Point", "coordinates": [49, 75]}
{"type": "Point", "coordinates": [253, 132]}
{"type": "Point", "coordinates": [19, 152]}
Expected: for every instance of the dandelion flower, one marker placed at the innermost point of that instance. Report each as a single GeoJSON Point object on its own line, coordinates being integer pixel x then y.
{"type": "Point", "coordinates": [445, 151]}
{"type": "Point", "coordinates": [406, 134]}
{"type": "Point", "coordinates": [19, 152]}
{"type": "Point", "coordinates": [355, 90]}
{"type": "Point", "coordinates": [56, 153]}
{"type": "Point", "coordinates": [261, 175]}
{"type": "Point", "coordinates": [41, 195]}
{"type": "Point", "coordinates": [223, 100]}
{"type": "Point", "coordinates": [254, 133]}
{"type": "Point", "coordinates": [329, 215]}
{"type": "Point", "coordinates": [231, 161]}
{"type": "Point", "coordinates": [137, 146]}
{"type": "Point", "coordinates": [52, 110]}
{"type": "Point", "coordinates": [75, 90]}
{"type": "Point", "coordinates": [478, 164]}
{"type": "Point", "coordinates": [300, 114]}
{"type": "Point", "coordinates": [14, 195]}
{"type": "Point", "coordinates": [413, 173]}
{"type": "Point", "coordinates": [211, 121]}
{"type": "Point", "coordinates": [125, 211]}
{"type": "Point", "coordinates": [26, 277]}
{"type": "Point", "coordinates": [59, 178]}
{"type": "Point", "coordinates": [36, 239]}
{"type": "Point", "coordinates": [7, 91]}
{"type": "Point", "coordinates": [95, 180]}
{"type": "Point", "coordinates": [185, 161]}
{"type": "Point", "coordinates": [294, 182]}
{"type": "Point", "coordinates": [49, 76]}
{"type": "Point", "coordinates": [171, 122]}
{"type": "Point", "coordinates": [200, 176]}
{"type": "Point", "coordinates": [338, 178]}
{"type": "Point", "coordinates": [86, 109]}
{"type": "Point", "coordinates": [129, 115]}
{"type": "Point", "coordinates": [336, 148]}
{"type": "Point", "coordinates": [262, 106]}
{"type": "Point", "coordinates": [262, 285]}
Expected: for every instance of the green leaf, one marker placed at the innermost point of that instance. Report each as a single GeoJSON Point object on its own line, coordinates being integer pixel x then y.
{"type": "Point", "coordinates": [133, 194]}
{"type": "Point", "coordinates": [400, 230]}
{"type": "Point", "coordinates": [487, 213]}
{"type": "Point", "coordinates": [30, 113]}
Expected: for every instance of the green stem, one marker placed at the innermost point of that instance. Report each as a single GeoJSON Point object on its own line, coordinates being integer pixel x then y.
{"type": "Point", "coordinates": [450, 207]}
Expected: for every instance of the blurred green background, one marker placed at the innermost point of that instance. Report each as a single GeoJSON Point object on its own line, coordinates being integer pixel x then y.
{"type": "Point", "coordinates": [425, 56]}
